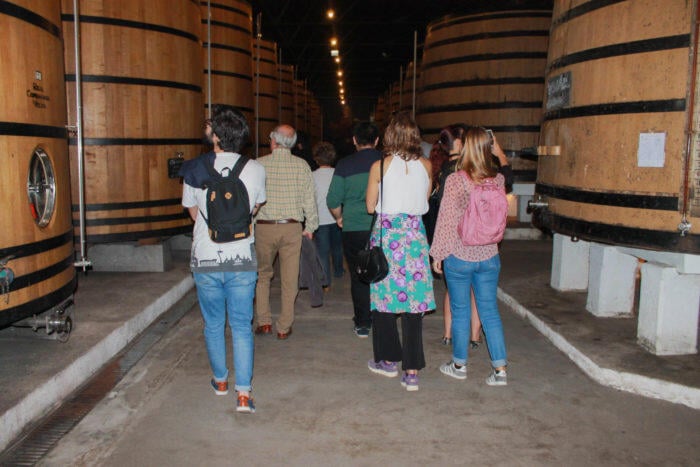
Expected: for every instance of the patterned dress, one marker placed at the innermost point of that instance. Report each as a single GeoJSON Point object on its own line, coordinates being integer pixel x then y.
{"type": "Point", "coordinates": [408, 288]}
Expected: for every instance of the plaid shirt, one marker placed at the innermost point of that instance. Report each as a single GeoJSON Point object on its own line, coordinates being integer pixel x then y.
{"type": "Point", "coordinates": [290, 189]}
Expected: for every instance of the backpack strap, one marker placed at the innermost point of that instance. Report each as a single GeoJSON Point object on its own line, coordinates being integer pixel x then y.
{"type": "Point", "coordinates": [239, 166]}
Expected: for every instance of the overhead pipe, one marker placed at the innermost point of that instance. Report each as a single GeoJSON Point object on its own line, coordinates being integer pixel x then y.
{"type": "Point", "coordinates": [415, 74]}
{"type": "Point", "coordinates": [685, 225]}
{"type": "Point", "coordinates": [83, 262]}
{"type": "Point", "coordinates": [209, 59]}
{"type": "Point", "coordinates": [258, 23]}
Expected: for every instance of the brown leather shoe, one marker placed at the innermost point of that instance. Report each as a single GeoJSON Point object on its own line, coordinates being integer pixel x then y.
{"type": "Point", "coordinates": [264, 329]}
{"type": "Point", "coordinates": [284, 335]}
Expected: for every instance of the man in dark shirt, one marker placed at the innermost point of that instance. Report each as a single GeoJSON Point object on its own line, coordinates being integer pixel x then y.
{"type": "Point", "coordinates": [346, 200]}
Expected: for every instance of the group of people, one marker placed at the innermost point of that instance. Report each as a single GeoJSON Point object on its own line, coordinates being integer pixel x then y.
{"type": "Point", "coordinates": [370, 198]}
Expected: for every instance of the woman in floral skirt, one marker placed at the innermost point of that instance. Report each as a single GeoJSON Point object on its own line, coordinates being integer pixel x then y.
{"type": "Point", "coordinates": [407, 291]}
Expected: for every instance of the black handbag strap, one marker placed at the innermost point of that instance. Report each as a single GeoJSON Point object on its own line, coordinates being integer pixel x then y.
{"type": "Point", "coordinates": [381, 202]}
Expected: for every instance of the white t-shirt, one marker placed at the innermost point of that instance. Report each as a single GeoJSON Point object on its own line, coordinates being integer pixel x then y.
{"type": "Point", "coordinates": [322, 181]}
{"type": "Point", "coordinates": [405, 188]}
{"type": "Point", "coordinates": [208, 256]}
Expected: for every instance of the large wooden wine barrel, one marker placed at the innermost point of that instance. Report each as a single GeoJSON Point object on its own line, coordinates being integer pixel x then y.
{"type": "Point", "coordinates": [142, 103]}
{"type": "Point", "coordinates": [315, 123]}
{"type": "Point", "coordinates": [286, 76]}
{"type": "Point", "coordinates": [36, 235]}
{"type": "Point", "coordinates": [407, 92]}
{"type": "Point", "coordinates": [616, 122]}
{"type": "Point", "coordinates": [487, 69]}
{"type": "Point", "coordinates": [380, 112]}
{"type": "Point", "coordinates": [231, 52]}
{"type": "Point", "coordinates": [395, 97]}
{"type": "Point", "coordinates": [300, 102]}
{"type": "Point", "coordinates": [266, 91]}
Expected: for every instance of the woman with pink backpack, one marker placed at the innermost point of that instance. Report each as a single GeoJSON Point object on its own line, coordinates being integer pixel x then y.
{"type": "Point", "coordinates": [470, 224]}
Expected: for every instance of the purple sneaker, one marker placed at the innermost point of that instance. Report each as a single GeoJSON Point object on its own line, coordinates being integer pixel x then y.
{"type": "Point", "coordinates": [410, 382]}
{"type": "Point", "coordinates": [383, 367]}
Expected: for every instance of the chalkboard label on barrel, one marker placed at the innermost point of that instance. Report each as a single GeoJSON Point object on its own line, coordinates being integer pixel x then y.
{"type": "Point", "coordinates": [559, 91]}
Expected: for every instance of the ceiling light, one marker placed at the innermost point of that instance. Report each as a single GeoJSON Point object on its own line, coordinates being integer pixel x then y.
{"type": "Point", "coordinates": [340, 73]}
{"type": "Point", "coordinates": [342, 91]}
{"type": "Point", "coordinates": [343, 102]}
{"type": "Point", "coordinates": [337, 59]}
{"type": "Point", "coordinates": [340, 83]}
{"type": "Point", "coordinates": [330, 14]}
{"type": "Point", "coordinates": [334, 52]}
{"type": "Point", "coordinates": [334, 41]}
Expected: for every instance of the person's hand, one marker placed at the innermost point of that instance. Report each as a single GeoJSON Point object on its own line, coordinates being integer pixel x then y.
{"type": "Point", "coordinates": [437, 266]}
{"type": "Point", "coordinates": [308, 235]}
{"type": "Point", "coordinates": [339, 221]}
{"type": "Point", "coordinates": [497, 151]}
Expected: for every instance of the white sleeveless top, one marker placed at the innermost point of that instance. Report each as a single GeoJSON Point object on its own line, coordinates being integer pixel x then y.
{"type": "Point", "coordinates": [405, 188]}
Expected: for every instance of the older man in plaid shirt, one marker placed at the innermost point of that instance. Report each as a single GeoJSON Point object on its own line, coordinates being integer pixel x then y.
{"type": "Point", "coordinates": [291, 200]}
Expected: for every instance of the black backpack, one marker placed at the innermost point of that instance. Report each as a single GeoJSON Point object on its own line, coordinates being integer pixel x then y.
{"type": "Point", "coordinates": [228, 205]}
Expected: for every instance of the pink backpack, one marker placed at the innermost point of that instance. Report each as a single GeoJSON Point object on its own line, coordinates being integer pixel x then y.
{"type": "Point", "coordinates": [484, 220]}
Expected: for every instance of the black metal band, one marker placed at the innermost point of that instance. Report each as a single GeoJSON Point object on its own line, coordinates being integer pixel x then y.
{"type": "Point", "coordinates": [668, 105]}
{"type": "Point", "coordinates": [135, 81]}
{"type": "Point", "coordinates": [446, 22]}
{"type": "Point", "coordinates": [129, 205]}
{"type": "Point", "coordinates": [229, 48]}
{"type": "Point", "coordinates": [11, 315]}
{"type": "Point", "coordinates": [137, 141]}
{"type": "Point", "coordinates": [617, 234]}
{"type": "Point", "coordinates": [483, 82]}
{"type": "Point", "coordinates": [132, 220]}
{"type": "Point", "coordinates": [227, 8]}
{"type": "Point", "coordinates": [488, 35]}
{"type": "Point", "coordinates": [34, 248]}
{"type": "Point", "coordinates": [583, 9]}
{"type": "Point", "coordinates": [627, 48]}
{"type": "Point", "coordinates": [623, 200]}
{"type": "Point", "coordinates": [486, 57]}
{"type": "Point", "coordinates": [30, 129]}
{"type": "Point", "coordinates": [234, 27]}
{"type": "Point", "coordinates": [131, 24]}
{"type": "Point", "coordinates": [480, 106]}
{"type": "Point", "coordinates": [230, 74]}
{"type": "Point", "coordinates": [497, 128]}
{"type": "Point", "coordinates": [35, 277]}
{"type": "Point", "coordinates": [10, 9]}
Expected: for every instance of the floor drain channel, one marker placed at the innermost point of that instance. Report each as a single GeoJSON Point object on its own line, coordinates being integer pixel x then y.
{"type": "Point", "coordinates": [43, 437]}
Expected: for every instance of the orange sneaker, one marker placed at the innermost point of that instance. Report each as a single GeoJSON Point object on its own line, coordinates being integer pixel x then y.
{"type": "Point", "coordinates": [245, 404]}
{"type": "Point", "coordinates": [220, 387]}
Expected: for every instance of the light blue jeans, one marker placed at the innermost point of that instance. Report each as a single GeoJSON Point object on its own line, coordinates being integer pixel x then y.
{"type": "Point", "coordinates": [461, 276]}
{"type": "Point", "coordinates": [229, 294]}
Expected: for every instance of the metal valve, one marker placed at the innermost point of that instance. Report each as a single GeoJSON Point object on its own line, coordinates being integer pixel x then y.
{"type": "Point", "coordinates": [684, 227]}
{"type": "Point", "coordinates": [538, 203]}
{"type": "Point", "coordinates": [7, 275]}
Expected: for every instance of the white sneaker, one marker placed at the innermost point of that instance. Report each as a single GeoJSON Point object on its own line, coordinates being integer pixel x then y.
{"type": "Point", "coordinates": [450, 369]}
{"type": "Point", "coordinates": [497, 378]}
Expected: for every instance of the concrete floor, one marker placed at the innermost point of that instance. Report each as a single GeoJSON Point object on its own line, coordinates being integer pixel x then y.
{"type": "Point", "coordinates": [319, 405]}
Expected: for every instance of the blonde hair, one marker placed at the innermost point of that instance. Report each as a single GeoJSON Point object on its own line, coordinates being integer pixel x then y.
{"type": "Point", "coordinates": [475, 158]}
{"type": "Point", "coordinates": [402, 137]}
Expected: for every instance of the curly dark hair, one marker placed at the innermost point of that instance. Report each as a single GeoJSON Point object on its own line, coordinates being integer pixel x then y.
{"type": "Point", "coordinates": [324, 153]}
{"type": "Point", "coordinates": [402, 137]}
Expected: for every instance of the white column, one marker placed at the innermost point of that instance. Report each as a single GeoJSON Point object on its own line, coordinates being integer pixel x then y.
{"type": "Point", "coordinates": [523, 215]}
{"type": "Point", "coordinates": [610, 282]}
{"type": "Point", "coordinates": [668, 310]}
{"type": "Point", "coordinates": [569, 264]}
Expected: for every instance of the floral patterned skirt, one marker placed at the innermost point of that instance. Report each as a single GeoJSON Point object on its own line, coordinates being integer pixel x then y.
{"type": "Point", "coordinates": [408, 288]}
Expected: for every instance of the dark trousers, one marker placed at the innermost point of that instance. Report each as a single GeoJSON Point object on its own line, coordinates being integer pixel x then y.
{"type": "Point", "coordinates": [353, 242]}
{"type": "Point", "coordinates": [330, 245]}
{"type": "Point", "coordinates": [386, 343]}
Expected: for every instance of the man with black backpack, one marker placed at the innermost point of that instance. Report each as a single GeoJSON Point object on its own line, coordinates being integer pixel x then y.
{"type": "Point", "coordinates": [222, 190]}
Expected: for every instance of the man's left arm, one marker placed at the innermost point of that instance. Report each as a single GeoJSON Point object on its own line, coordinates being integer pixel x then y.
{"type": "Point", "coordinates": [309, 204]}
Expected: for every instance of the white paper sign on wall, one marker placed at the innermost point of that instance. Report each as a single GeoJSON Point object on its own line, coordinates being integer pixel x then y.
{"type": "Point", "coordinates": [651, 150]}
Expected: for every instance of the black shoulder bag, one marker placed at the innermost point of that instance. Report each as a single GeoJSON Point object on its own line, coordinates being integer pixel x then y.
{"type": "Point", "coordinates": [372, 265]}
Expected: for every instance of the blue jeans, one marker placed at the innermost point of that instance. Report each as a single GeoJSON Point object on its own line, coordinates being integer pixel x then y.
{"type": "Point", "coordinates": [482, 276]}
{"type": "Point", "coordinates": [329, 243]}
{"type": "Point", "coordinates": [221, 294]}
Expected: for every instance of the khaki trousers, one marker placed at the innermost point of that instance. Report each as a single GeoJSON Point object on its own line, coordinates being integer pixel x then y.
{"type": "Point", "coordinates": [271, 240]}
